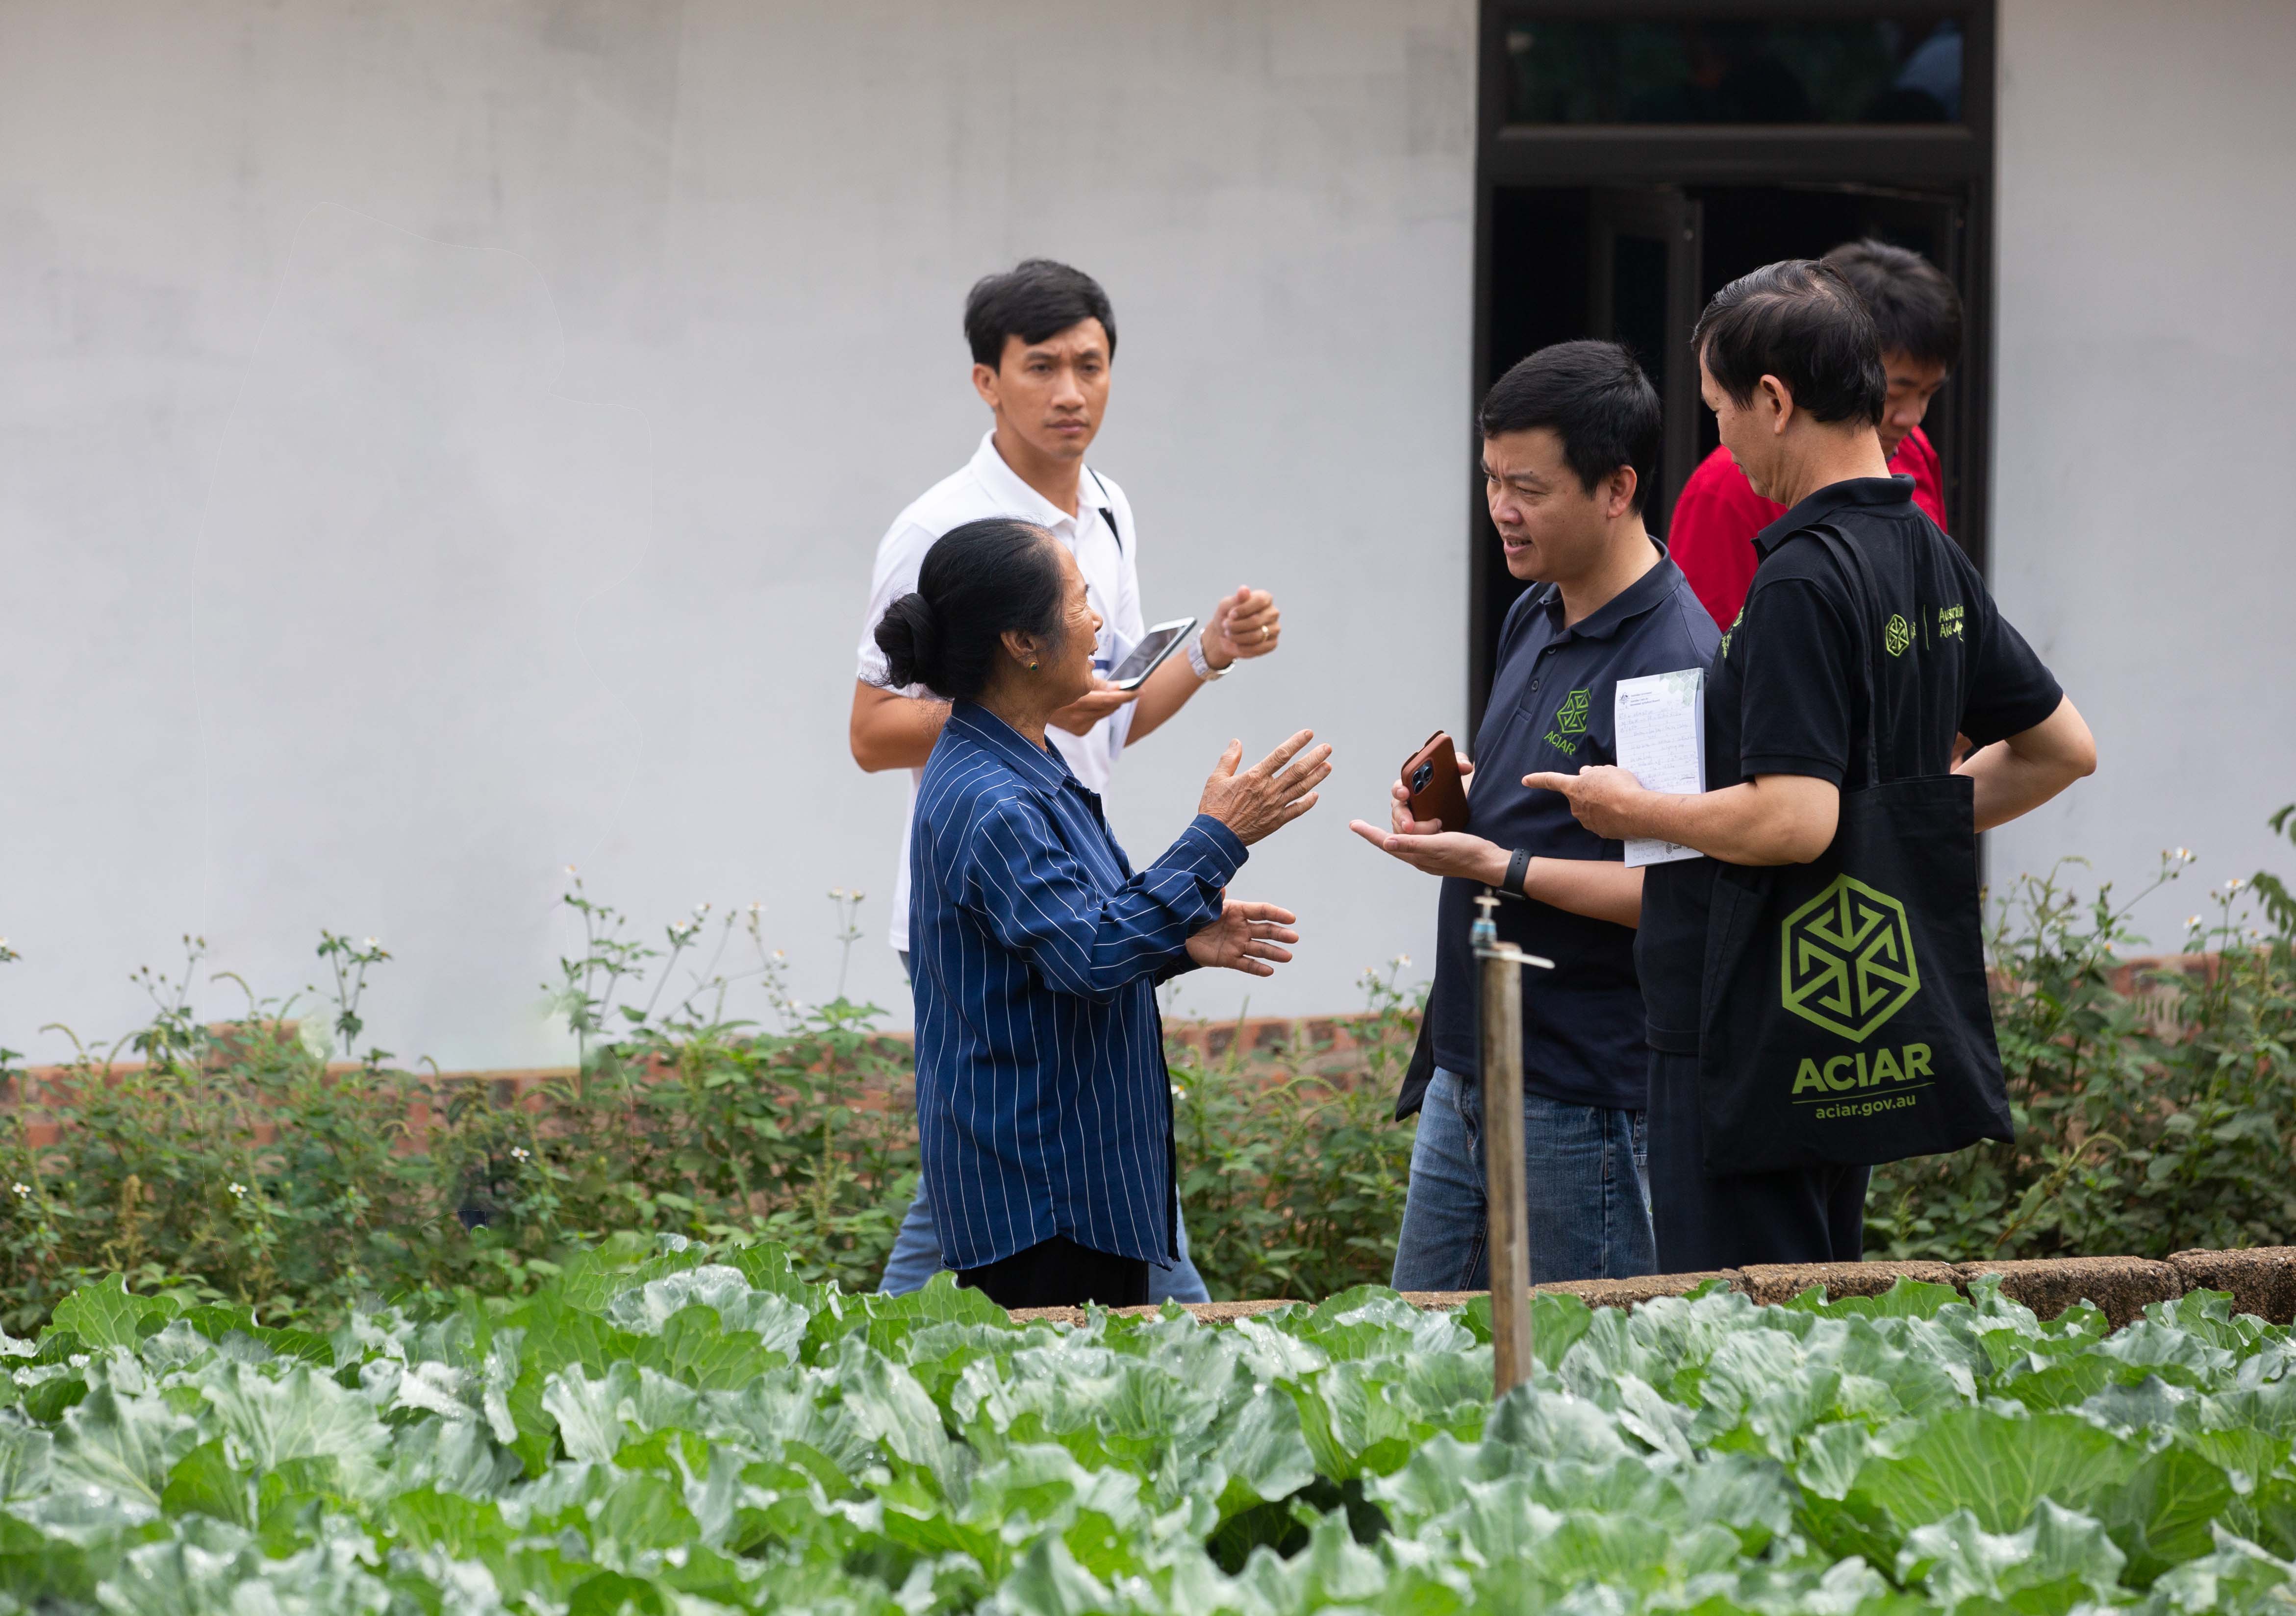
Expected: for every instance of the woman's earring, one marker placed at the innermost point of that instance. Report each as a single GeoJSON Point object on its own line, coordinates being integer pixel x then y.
{"type": "Point", "coordinates": [1032, 667]}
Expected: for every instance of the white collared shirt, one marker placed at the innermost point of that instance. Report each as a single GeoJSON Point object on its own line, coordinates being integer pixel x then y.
{"type": "Point", "coordinates": [1106, 555]}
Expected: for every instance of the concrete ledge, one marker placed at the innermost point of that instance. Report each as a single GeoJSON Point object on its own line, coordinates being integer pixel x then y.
{"type": "Point", "coordinates": [2262, 1282]}
{"type": "Point", "coordinates": [1206, 1312]}
{"type": "Point", "coordinates": [2123, 1287]}
{"type": "Point", "coordinates": [1769, 1282]}
{"type": "Point", "coordinates": [1594, 1292]}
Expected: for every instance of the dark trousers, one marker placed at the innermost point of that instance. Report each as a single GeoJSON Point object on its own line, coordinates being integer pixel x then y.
{"type": "Point", "coordinates": [1807, 1214]}
{"type": "Point", "coordinates": [1058, 1273]}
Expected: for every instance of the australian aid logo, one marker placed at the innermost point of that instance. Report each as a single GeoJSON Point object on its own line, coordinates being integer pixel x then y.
{"type": "Point", "coordinates": [1847, 965]}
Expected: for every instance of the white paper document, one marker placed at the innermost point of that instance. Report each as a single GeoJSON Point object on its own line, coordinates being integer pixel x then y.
{"type": "Point", "coordinates": [1662, 728]}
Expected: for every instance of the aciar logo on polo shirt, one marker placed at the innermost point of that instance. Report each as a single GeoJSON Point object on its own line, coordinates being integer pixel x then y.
{"type": "Point", "coordinates": [1897, 633]}
{"type": "Point", "coordinates": [1570, 721]}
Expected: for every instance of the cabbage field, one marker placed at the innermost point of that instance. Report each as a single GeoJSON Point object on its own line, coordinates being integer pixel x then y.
{"type": "Point", "coordinates": [675, 1430]}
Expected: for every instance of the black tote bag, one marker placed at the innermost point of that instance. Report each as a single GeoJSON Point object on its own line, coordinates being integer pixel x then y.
{"type": "Point", "coordinates": [1843, 1014]}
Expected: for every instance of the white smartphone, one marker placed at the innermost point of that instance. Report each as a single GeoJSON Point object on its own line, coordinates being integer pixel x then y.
{"type": "Point", "coordinates": [1149, 655]}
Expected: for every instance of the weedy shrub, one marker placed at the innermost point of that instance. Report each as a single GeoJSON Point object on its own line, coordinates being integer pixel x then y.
{"type": "Point", "coordinates": [1292, 1169]}
{"type": "Point", "coordinates": [252, 1164]}
{"type": "Point", "coordinates": [2152, 1116]}
{"type": "Point", "coordinates": [243, 1164]}
{"type": "Point", "coordinates": [666, 1428]}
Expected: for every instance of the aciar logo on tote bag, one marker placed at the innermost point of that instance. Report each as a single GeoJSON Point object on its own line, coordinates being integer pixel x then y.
{"type": "Point", "coordinates": [1846, 959]}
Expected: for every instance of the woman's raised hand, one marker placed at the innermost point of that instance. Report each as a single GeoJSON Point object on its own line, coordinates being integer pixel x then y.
{"type": "Point", "coordinates": [1247, 937]}
{"type": "Point", "coordinates": [1269, 794]}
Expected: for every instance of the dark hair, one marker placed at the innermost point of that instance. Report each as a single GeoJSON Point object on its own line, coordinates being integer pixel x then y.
{"type": "Point", "coordinates": [1802, 321]}
{"type": "Point", "coordinates": [1035, 299]}
{"type": "Point", "coordinates": [1592, 395]}
{"type": "Point", "coordinates": [1914, 308]}
{"type": "Point", "coordinates": [978, 581]}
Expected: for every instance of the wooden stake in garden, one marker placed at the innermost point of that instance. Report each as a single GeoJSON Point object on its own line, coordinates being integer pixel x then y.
{"type": "Point", "coordinates": [1503, 1168]}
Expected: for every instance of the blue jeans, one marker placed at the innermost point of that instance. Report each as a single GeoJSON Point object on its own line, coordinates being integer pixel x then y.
{"type": "Point", "coordinates": [916, 1256]}
{"type": "Point", "coordinates": [1587, 1190]}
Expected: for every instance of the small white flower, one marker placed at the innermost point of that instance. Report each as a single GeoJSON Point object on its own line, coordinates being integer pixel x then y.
{"type": "Point", "coordinates": [1404, 960]}
{"type": "Point", "coordinates": [758, 908]}
{"type": "Point", "coordinates": [2193, 922]}
{"type": "Point", "coordinates": [518, 1153]}
{"type": "Point", "coordinates": [20, 1188]}
{"type": "Point", "coordinates": [372, 945]}
{"type": "Point", "coordinates": [236, 1190]}
{"type": "Point", "coordinates": [2233, 886]}
{"type": "Point", "coordinates": [779, 955]}
{"type": "Point", "coordinates": [570, 869]}
{"type": "Point", "coordinates": [856, 894]}
{"type": "Point", "coordinates": [77, 1360]}
{"type": "Point", "coordinates": [700, 910]}
{"type": "Point", "coordinates": [1178, 1093]}
{"type": "Point", "coordinates": [836, 892]}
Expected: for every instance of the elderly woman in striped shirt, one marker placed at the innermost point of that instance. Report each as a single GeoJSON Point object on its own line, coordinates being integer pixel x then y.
{"type": "Point", "coordinates": [1043, 1103]}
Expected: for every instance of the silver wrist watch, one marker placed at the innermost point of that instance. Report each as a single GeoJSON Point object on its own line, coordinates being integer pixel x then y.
{"type": "Point", "coordinates": [1202, 669]}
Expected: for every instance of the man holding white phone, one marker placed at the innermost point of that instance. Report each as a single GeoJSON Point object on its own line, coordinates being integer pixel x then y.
{"type": "Point", "coordinates": [1044, 340]}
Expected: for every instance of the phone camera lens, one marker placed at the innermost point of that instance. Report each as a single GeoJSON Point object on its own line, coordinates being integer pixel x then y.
{"type": "Point", "coordinates": [1420, 776]}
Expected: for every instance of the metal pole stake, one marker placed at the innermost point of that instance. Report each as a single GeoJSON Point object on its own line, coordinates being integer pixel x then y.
{"type": "Point", "coordinates": [1503, 1162]}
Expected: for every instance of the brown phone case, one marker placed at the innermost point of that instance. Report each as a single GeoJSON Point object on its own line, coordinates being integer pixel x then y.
{"type": "Point", "coordinates": [1442, 795]}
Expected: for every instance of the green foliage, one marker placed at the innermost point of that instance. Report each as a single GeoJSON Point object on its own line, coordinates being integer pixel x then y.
{"type": "Point", "coordinates": [243, 1164]}
{"type": "Point", "coordinates": [1292, 1169]}
{"type": "Point", "coordinates": [670, 1426]}
{"type": "Point", "coordinates": [252, 1166]}
{"type": "Point", "coordinates": [2151, 1120]}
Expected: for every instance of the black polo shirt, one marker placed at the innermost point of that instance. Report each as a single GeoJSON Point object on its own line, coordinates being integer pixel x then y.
{"type": "Point", "coordinates": [1787, 694]}
{"type": "Point", "coordinates": [1551, 709]}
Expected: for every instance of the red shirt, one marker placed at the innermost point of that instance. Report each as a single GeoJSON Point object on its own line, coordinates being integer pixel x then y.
{"type": "Point", "coordinates": [1711, 537]}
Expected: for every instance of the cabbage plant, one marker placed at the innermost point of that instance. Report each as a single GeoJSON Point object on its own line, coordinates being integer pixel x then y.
{"type": "Point", "coordinates": [674, 1429]}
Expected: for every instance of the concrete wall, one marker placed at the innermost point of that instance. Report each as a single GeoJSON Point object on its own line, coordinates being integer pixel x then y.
{"type": "Point", "coordinates": [444, 441]}
{"type": "Point", "coordinates": [441, 442]}
{"type": "Point", "coordinates": [2141, 531]}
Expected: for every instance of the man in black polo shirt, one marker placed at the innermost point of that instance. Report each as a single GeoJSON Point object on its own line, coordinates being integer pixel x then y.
{"type": "Point", "coordinates": [1569, 437]}
{"type": "Point", "coordinates": [1792, 368]}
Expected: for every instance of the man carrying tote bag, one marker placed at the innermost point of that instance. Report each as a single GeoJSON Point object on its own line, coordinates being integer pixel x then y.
{"type": "Point", "coordinates": [1814, 987]}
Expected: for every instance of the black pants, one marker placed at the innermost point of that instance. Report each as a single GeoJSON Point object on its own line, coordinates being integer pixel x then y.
{"type": "Point", "coordinates": [1058, 1273]}
{"type": "Point", "coordinates": [1806, 1214]}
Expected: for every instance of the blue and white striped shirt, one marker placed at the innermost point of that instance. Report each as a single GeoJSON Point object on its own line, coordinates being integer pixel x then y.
{"type": "Point", "coordinates": [1043, 1103]}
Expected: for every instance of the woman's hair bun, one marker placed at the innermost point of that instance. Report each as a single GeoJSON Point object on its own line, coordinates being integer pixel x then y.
{"type": "Point", "coordinates": [910, 637]}
{"type": "Point", "coordinates": [979, 581]}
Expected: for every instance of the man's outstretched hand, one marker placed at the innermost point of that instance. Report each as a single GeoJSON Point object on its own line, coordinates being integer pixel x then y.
{"type": "Point", "coordinates": [1247, 937]}
{"type": "Point", "coordinates": [1604, 797]}
{"type": "Point", "coordinates": [1425, 844]}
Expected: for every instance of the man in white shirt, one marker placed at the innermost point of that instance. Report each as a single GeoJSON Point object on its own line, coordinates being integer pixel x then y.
{"type": "Point", "coordinates": [1043, 339]}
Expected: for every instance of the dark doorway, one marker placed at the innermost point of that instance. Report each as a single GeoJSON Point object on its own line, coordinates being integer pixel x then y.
{"type": "Point", "coordinates": [1623, 228]}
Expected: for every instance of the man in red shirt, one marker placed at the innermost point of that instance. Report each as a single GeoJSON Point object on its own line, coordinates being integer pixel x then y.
{"type": "Point", "coordinates": [1711, 537]}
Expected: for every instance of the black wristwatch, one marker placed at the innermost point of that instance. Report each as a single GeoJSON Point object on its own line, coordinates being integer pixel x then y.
{"type": "Point", "coordinates": [1517, 866]}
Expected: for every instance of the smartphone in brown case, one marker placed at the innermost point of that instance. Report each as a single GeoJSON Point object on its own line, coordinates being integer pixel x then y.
{"type": "Point", "coordinates": [1431, 776]}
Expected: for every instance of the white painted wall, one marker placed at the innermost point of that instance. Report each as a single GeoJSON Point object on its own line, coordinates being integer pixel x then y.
{"type": "Point", "coordinates": [445, 440]}
{"type": "Point", "coordinates": [441, 441]}
{"type": "Point", "coordinates": [2143, 531]}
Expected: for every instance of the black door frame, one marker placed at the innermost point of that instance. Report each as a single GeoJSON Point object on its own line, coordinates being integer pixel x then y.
{"type": "Point", "coordinates": [1957, 158]}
